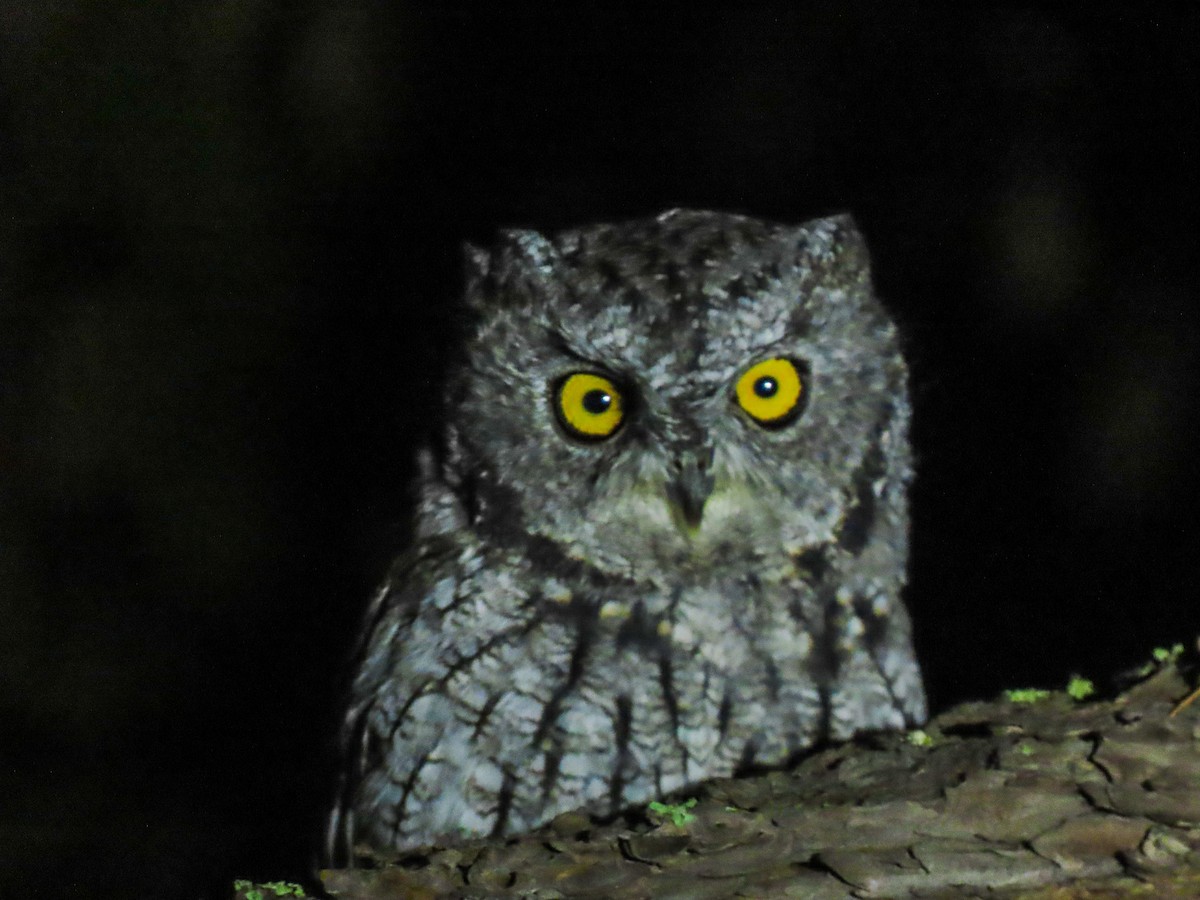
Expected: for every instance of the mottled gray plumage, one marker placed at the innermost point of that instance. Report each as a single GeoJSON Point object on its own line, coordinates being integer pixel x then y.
{"type": "Point", "coordinates": [597, 622]}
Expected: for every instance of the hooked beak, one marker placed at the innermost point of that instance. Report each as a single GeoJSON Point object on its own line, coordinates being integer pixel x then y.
{"type": "Point", "coordinates": [688, 491]}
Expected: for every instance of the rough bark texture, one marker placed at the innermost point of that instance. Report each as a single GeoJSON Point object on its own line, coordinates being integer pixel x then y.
{"type": "Point", "coordinates": [1050, 799]}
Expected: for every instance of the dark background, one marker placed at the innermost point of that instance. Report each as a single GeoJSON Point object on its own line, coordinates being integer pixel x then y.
{"type": "Point", "coordinates": [228, 237]}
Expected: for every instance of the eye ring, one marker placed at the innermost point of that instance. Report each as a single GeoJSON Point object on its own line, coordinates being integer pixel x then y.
{"type": "Point", "coordinates": [773, 391]}
{"type": "Point", "coordinates": [588, 406]}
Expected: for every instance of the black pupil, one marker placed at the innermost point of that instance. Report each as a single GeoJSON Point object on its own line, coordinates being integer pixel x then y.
{"type": "Point", "coordinates": [766, 386]}
{"type": "Point", "coordinates": [597, 401]}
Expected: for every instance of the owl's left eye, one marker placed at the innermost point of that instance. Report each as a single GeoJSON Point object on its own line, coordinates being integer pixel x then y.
{"type": "Point", "coordinates": [772, 392]}
{"type": "Point", "coordinates": [589, 406]}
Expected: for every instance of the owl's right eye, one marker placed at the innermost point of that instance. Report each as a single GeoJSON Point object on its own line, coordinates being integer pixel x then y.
{"type": "Point", "coordinates": [589, 406]}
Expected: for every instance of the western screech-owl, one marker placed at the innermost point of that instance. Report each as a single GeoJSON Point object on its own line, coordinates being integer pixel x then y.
{"type": "Point", "coordinates": [662, 536]}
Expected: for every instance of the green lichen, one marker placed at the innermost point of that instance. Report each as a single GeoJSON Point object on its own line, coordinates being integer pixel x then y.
{"type": "Point", "coordinates": [252, 891]}
{"type": "Point", "coordinates": [1080, 688]}
{"type": "Point", "coordinates": [676, 812]}
{"type": "Point", "coordinates": [1026, 695]}
{"type": "Point", "coordinates": [1164, 655]}
{"type": "Point", "coordinates": [1159, 657]}
{"type": "Point", "coordinates": [919, 738]}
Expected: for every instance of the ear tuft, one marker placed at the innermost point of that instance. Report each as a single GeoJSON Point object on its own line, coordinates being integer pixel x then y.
{"type": "Point", "coordinates": [476, 261]}
{"type": "Point", "coordinates": [477, 267]}
{"type": "Point", "coordinates": [521, 263]}
{"type": "Point", "coordinates": [529, 249]}
{"type": "Point", "coordinates": [835, 240]}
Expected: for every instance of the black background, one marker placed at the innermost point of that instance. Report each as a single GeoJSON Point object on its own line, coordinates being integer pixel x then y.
{"type": "Point", "coordinates": [229, 236]}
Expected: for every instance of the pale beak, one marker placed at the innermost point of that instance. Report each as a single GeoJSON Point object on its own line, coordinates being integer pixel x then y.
{"type": "Point", "coordinates": [688, 491]}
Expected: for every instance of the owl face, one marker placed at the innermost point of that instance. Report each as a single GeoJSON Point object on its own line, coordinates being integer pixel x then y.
{"type": "Point", "coordinates": [692, 391]}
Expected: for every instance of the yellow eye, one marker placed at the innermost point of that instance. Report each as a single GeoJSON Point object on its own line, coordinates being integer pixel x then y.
{"type": "Point", "coordinates": [772, 391]}
{"type": "Point", "coordinates": [589, 406]}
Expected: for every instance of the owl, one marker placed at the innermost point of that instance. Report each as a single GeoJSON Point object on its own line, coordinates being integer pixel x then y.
{"type": "Point", "coordinates": [660, 538]}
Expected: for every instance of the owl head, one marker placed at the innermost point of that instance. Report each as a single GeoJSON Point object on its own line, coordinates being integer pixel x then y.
{"type": "Point", "coordinates": [688, 393]}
